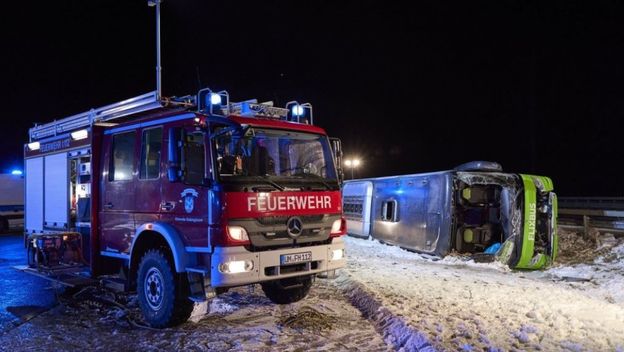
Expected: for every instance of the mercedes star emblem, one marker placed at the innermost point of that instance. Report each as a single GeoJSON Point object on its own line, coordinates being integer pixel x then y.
{"type": "Point", "coordinates": [294, 226]}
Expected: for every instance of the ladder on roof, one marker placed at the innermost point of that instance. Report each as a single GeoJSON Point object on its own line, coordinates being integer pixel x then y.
{"type": "Point", "coordinates": [150, 101]}
{"type": "Point", "coordinates": [141, 103]}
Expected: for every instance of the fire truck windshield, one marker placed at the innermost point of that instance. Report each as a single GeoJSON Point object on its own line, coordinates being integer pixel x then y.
{"type": "Point", "coordinates": [276, 155]}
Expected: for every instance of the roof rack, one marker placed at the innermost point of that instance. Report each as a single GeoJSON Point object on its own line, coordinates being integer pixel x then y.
{"type": "Point", "coordinates": [252, 108]}
{"type": "Point", "coordinates": [141, 103]}
{"type": "Point", "coordinates": [294, 112]}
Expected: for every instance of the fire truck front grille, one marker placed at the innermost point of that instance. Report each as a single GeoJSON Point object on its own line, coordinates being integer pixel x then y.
{"type": "Point", "coordinates": [284, 234]}
{"type": "Point", "coordinates": [271, 233]}
{"type": "Point", "coordinates": [281, 220]}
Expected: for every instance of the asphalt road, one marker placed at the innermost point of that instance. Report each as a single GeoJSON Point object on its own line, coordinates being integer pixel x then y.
{"type": "Point", "coordinates": [22, 296]}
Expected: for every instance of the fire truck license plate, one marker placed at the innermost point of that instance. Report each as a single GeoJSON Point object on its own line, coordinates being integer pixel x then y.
{"type": "Point", "coordinates": [295, 258]}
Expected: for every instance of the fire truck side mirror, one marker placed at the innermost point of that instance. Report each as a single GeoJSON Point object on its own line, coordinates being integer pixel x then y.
{"type": "Point", "coordinates": [336, 145]}
{"type": "Point", "coordinates": [174, 148]}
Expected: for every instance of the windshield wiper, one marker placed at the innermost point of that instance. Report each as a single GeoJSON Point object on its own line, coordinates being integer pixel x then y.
{"type": "Point", "coordinates": [269, 181]}
{"type": "Point", "coordinates": [316, 177]}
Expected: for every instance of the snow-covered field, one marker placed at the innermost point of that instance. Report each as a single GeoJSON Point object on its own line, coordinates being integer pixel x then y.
{"type": "Point", "coordinates": [386, 299]}
{"type": "Point", "coordinates": [454, 304]}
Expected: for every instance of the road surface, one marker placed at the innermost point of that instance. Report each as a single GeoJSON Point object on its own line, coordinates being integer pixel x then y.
{"type": "Point", "coordinates": [21, 296]}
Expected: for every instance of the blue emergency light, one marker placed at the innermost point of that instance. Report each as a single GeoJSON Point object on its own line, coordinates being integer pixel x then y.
{"type": "Point", "coordinates": [299, 112]}
{"type": "Point", "coordinates": [212, 102]}
{"type": "Point", "coordinates": [215, 99]}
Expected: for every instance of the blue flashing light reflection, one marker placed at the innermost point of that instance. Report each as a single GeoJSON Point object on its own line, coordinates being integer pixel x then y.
{"type": "Point", "coordinates": [17, 172]}
{"type": "Point", "coordinates": [215, 99]}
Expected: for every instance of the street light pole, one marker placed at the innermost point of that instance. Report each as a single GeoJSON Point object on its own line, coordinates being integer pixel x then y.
{"type": "Point", "coordinates": [347, 163]}
{"type": "Point", "coordinates": [156, 3]}
{"type": "Point", "coordinates": [158, 67]}
{"type": "Point", "coordinates": [356, 163]}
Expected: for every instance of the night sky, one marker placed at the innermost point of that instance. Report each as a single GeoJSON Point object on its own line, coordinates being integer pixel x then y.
{"type": "Point", "coordinates": [537, 86]}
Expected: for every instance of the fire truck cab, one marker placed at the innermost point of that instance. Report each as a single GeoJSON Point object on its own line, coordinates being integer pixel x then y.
{"type": "Point", "coordinates": [182, 198]}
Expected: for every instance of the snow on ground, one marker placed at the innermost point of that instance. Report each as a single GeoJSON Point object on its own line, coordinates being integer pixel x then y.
{"type": "Point", "coordinates": [452, 304]}
{"type": "Point", "coordinates": [601, 278]}
{"type": "Point", "coordinates": [235, 321]}
{"type": "Point", "coordinates": [386, 299]}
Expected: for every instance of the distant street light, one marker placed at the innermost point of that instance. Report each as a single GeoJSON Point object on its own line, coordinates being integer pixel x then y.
{"type": "Point", "coordinates": [352, 164]}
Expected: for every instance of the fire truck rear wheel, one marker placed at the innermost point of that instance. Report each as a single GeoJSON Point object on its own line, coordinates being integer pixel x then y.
{"type": "Point", "coordinates": [289, 290]}
{"type": "Point", "coordinates": [162, 293]}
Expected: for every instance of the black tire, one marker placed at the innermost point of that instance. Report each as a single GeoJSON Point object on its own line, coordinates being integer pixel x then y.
{"type": "Point", "coordinates": [163, 295]}
{"type": "Point", "coordinates": [287, 291]}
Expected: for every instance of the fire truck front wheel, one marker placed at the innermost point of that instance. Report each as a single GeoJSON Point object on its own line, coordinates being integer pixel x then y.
{"type": "Point", "coordinates": [163, 294]}
{"type": "Point", "coordinates": [289, 290]}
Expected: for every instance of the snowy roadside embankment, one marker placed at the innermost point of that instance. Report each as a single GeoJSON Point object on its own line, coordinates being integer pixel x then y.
{"type": "Point", "coordinates": [601, 277]}
{"type": "Point", "coordinates": [452, 304]}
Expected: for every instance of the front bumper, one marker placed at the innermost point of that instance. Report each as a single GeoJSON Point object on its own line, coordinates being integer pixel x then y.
{"type": "Point", "coordinates": [266, 265]}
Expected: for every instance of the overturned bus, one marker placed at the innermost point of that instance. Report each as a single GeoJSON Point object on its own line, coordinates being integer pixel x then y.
{"type": "Point", "coordinates": [475, 208]}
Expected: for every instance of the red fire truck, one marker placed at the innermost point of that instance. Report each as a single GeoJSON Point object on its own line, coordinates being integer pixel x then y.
{"type": "Point", "coordinates": [181, 198]}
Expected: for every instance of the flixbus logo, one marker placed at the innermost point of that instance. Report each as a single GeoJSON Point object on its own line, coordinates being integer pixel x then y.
{"type": "Point", "coordinates": [273, 203]}
{"type": "Point", "coordinates": [532, 216]}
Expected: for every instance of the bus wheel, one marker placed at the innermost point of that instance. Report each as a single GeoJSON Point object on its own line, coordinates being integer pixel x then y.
{"type": "Point", "coordinates": [289, 290]}
{"type": "Point", "coordinates": [163, 295]}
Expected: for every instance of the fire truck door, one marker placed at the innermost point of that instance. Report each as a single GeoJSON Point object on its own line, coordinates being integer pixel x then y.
{"type": "Point", "coordinates": [118, 196]}
{"type": "Point", "coordinates": [147, 197]}
{"type": "Point", "coordinates": [185, 201]}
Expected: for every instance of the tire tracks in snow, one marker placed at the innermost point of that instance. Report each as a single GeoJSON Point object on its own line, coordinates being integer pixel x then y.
{"type": "Point", "coordinates": [393, 328]}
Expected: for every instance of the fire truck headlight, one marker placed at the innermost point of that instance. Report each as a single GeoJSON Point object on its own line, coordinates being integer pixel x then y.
{"type": "Point", "coordinates": [236, 266]}
{"type": "Point", "coordinates": [336, 226]}
{"type": "Point", "coordinates": [337, 254]}
{"type": "Point", "coordinates": [237, 233]}
{"type": "Point", "coordinates": [339, 227]}
{"type": "Point", "coordinates": [34, 146]}
{"type": "Point", "coordinates": [215, 99]}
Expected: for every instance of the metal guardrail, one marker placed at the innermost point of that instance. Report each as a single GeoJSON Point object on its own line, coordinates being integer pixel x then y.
{"type": "Point", "coordinates": [604, 214]}
{"type": "Point", "coordinates": [608, 203]}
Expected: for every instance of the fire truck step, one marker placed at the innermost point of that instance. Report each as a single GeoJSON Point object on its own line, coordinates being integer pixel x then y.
{"type": "Point", "coordinates": [198, 269]}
